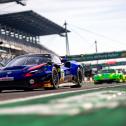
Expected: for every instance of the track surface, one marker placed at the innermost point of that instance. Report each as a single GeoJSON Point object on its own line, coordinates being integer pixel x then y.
{"type": "Point", "coordinates": [14, 94]}
{"type": "Point", "coordinates": [78, 108]}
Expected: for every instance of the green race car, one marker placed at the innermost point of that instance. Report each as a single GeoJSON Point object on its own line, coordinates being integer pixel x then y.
{"type": "Point", "coordinates": [108, 76]}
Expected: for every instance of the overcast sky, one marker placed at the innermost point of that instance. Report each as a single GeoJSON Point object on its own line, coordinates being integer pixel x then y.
{"type": "Point", "coordinates": [88, 20]}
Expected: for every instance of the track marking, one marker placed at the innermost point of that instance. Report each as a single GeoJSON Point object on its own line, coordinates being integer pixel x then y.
{"type": "Point", "coordinates": [54, 94]}
{"type": "Point", "coordinates": [67, 106]}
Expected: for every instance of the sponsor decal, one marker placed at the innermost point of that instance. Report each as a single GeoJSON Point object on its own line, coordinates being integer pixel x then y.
{"type": "Point", "coordinates": [7, 78]}
{"type": "Point", "coordinates": [9, 72]}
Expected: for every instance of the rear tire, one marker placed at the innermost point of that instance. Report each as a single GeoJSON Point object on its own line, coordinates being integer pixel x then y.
{"type": "Point", "coordinates": [79, 78]}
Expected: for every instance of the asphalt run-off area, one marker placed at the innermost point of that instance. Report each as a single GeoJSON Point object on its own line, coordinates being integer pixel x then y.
{"type": "Point", "coordinates": [90, 105]}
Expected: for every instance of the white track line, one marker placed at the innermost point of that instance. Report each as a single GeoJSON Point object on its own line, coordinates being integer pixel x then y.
{"type": "Point", "coordinates": [84, 103]}
{"type": "Point", "coordinates": [54, 94]}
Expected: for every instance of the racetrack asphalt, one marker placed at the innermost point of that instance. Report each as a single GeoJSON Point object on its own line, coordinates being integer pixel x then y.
{"type": "Point", "coordinates": [15, 94]}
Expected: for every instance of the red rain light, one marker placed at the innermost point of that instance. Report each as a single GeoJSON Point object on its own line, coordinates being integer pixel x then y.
{"type": "Point", "coordinates": [110, 62]}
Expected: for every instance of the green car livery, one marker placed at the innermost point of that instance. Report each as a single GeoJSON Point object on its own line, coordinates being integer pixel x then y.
{"type": "Point", "coordinates": [108, 76]}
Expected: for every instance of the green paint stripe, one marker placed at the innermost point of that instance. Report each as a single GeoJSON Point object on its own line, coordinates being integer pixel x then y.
{"type": "Point", "coordinates": [104, 117]}
{"type": "Point", "coordinates": [47, 99]}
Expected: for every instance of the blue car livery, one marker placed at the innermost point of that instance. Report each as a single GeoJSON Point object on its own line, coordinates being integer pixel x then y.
{"type": "Point", "coordinates": [33, 71]}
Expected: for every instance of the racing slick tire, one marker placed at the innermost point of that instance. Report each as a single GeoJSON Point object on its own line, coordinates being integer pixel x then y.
{"type": "Point", "coordinates": [79, 78]}
{"type": "Point", "coordinates": [120, 80]}
{"type": "Point", "coordinates": [54, 79]}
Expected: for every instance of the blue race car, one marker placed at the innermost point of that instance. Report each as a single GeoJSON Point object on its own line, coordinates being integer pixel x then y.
{"type": "Point", "coordinates": [33, 71]}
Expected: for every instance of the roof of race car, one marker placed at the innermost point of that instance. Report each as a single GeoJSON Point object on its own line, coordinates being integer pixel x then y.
{"type": "Point", "coordinates": [29, 55]}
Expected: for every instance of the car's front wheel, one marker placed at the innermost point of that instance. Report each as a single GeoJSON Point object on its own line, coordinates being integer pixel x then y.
{"type": "Point", "coordinates": [55, 78]}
